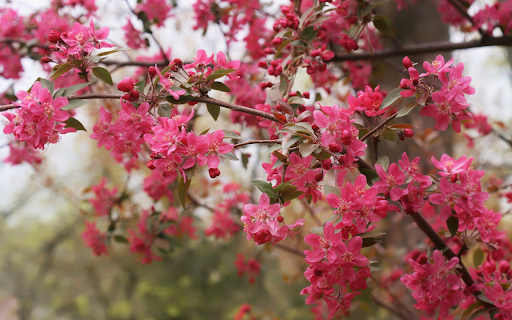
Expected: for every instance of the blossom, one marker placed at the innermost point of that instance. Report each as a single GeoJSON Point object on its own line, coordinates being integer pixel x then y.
{"type": "Point", "coordinates": [94, 239]}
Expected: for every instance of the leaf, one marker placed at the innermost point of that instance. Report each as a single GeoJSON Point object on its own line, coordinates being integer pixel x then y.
{"type": "Point", "coordinates": [292, 196]}
{"type": "Point", "coordinates": [73, 123]}
{"type": "Point", "coordinates": [383, 24]}
{"type": "Point", "coordinates": [73, 104]}
{"type": "Point", "coordinates": [219, 74]}
{"type": "Point", "coordinates": [391, 97]}
{"type": "Point", "coordinates": [371, 175]}
{"type": "Point", "coordinates": [94, 59]}
{"type": "Point", "coordinates": [120, 239]}
{"type": "Point", "coordinates": [245, 159]}
{"type": "Point", "coordinates": [330, 189]}
{"type": "Point", "coordinates": [265, 187]}
{"type": "Point", "coordinates": [45, 83]}
{"type": "Point", "coordinates": [183, 99]}
{"type": "Point", "coordinates": [285, 106]}
{"type": "Point", "coordinates": [470, 309]}
{"type": "Point", "coordinates": [59, 93]}
{"type": "Point", "coordinates": [231, 134]}
{"type": "Point", "coordinates": [229, 156]}
{"type": "Point", "coordinates": [389, 134]}
{"type": "Point", "coordinates": [273, 148]}
{"type": "Point", "coordinates": [482, 297]}
{"type": "Point", "coordinates": [60, 69]}
{"type": "Point", "coordinates": [384, 162]}
{"type": "Point", "coordinates": [309, 33]}
{"type": "Point", "coordinates": [368, 242]}
{"type": "Point", "coordinates": [401, 126]}
{"type": "Point", "coordinates": [103, 74]}
{"type": "Point", "coordinates": [101, 54]}
{"type": "Point", "coordinates": [292, 141]}
{"type": "Point", "coordinates": [318, 230]}
{"type": "Point", "coordinates": [219, 86]}
{"type": "Point", "coordinates": [183, 190]}
{"type": "Point", "coordinates": [478, 257]}
{"type": "Point", "coordinates": [214, 110]}
{"type": "Point", "coordinates": [77, 87]}
{"type": "Point", "coordinates": [453, 224]}
{"type": "Point", "coordinates": [408, 108]}
{"type": "Point", "coordinates": [323, 155]}
{"type": "Point", "coordinates": [365, 296]}
{"type": "Point", "coordinates": [306, 149]}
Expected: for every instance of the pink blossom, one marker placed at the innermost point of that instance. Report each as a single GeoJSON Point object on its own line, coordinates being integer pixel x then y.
{"type": "Point", "coordinates": [94, 239]}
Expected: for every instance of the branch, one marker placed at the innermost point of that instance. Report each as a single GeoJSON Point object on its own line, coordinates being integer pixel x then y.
{"type": "Point", "coordinates": [441, 245]}
{"type": "Point", "coordinates": [294, 251]}
{"type": "Point", "coordinates": [425, 48]}
{"type": "Point", "coordinates": [236, 107]}
{"type": "Point", "coordinates": [392, 309]}
{"type": "Point", "coordinates": [379, 126]}
{"type": "Point", "coordinates": [463, 11]}
{"type": "Point", "coordinates": [256, 141]}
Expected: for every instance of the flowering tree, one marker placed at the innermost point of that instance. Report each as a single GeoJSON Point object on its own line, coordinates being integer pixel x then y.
{"type": "Point", "coordinates": [317, 153]}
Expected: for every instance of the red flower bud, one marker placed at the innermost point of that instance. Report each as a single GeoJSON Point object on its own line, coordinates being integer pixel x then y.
{"type": "Point", "coordinates": [327, 164]}
{"type": "Point", "coordinates": [134, 94]}
{"type": "Point", "coordinates": [408, 133]}
{"type": "Point", "coordinates": [127, 97]}
{"type": "Point", "coordinates": [504, 266]}
{"type": "Point", "coordinates": [315, 127]}
{"type": "Point", "coordinates": [262, 64]}
{"type": "Point", "coordinates": [333, 147]}
{"type": "Point", "coordinates": [279, 219]}
{"type": "Point", "coordinates": [126, 85]}
{"type": "Point", "coordinates": [45, 60]}
{"type": "Point", "coordinates": [54, 36]}
{"type": "Point", "coordinates": [152, 72]}
{"type": "Point", "coordinates": [407, 62]}
{"type": "Point", "coordinates": [454, 178]}
{"type": "Point", "coordinates": [214, 173]}
{"type": "Point", "coordinates": [306, 94]}
{"type": "Point", "coordinates": [422, 259]}
{"type": "Point", "coordinates": [319, 176]}
{"type": "Point", "coordinates": [150, 165]}
{"type": "Point", "coordinates": [177, 62]}
{"type": "Point", "coordinates": [277, 41]}
{"type": "Point", "coordinates": [52, 47]}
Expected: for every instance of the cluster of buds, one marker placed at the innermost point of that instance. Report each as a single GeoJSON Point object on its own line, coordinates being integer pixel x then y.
{"type": "Point", "coordinates": [290, 20]}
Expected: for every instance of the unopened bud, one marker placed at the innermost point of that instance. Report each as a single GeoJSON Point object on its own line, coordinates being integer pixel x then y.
{"type": "Point", "coordinates": [262, 64]}
{"type": "Point", "coordinates": [407, 62]}
{"type": "Point", "coordinates": [214, 173]}
{"type": "Point", "coordinates": [177, 62]}
{"type": "Point", "coordinates": [279, 219]}
{"type": "Point", "coordinates": [333, 147]}
{"type": "Point", "coordinates": [151, 165]}
{"type": "Point", "coordinates": [54, 36]}
{"type": "Point", "coordinates": [504, 266]}
{"type": "Point", "coordinates": [45, 60]}
{"type": "Point", "coordinates": [408, 133]}
{"type": "Point", "coordinates": [127, 97]}
{"type": "Point", "coordinates": [152, 71]}
{"type": "Point", "coordinates": [135, 94]}
{"type": "Point", "coordinates": [126, 85]}
{"type": "Point", "coordinates": [305, 94]}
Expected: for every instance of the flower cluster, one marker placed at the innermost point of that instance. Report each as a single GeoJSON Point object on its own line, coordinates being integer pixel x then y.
{"type": "Point", "coordinates": [251, 267]}
{"type": "Point", "coordinates": [337, 269]}
{"type": "Point", "coordinates": [264, 223]}
{"type": "Point", "coordinates": [94, 239]}
{"type": "Point", "coordinates": [40, 118]}
{"type": "Point", "coordinates": [104, 198]}
{"type": "Point", "coordinates": [434, 286]}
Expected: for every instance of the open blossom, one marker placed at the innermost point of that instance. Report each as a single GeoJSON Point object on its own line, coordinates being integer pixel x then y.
{"type": "Point", "coordinates": [104, 198]}
{"type": "Point", "coordinates": [263, 222]}
{"type": "Point", "coordinates": [368, 101]}
{"type": "Point", "coordinates": [252, 267]}
{"type": "Point", "coordinates": [94, 239]}
{"type": "Point", "coordinates": [216, 146]}
{"type": "Point", "coordinates": [438, 66]}
{"type": "Point", "coordinates": [223, 225]}
{"type": "Point", "coordinates": [40, 119]}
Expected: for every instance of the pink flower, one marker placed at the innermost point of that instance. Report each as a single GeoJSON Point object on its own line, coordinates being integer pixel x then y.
{"type": "Point", "coordinates": [168, 83]}
{"type": "Point", "coordinates": [437, 66]}
{"type": "Point", "coordinates": [104, 198]}
{"type": "Point", "coordinates": [156, 10]}
{"type": "Point", "coordinates": [450, 166]}
{"type": "Point", "coordinates": [216, 146]}
{"type": "Point", "coordinates": [132, 36]}
{"type": "Point", "coordinates": [389, 181]}
{"type": "Point", "coordinates": [325, 246]}
{"type": "Point", "coordinates": [201, 61]}
{"type": "Point", "coordinates": [94, 239]}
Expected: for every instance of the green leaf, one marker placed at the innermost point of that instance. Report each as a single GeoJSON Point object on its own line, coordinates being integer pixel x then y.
{"type": "Point", "coordinates": [45, 83]}
{"type": "Point", "coordinates": [408, 108]}
{"type": "Point", "coordinates": [231, 134]}
{"type": "Point", "coordinates": [365, 296]}
{"type": "Point", "coordinates": [453, 224]}
{"type": "Point", "coordinates": [120, 239]}
{"type": "Point", "coordinates": [371, 175]}
{"type": "Point", "coordinates": [323, 155]}
{"type": "Point", "coordinates": [183, 190]}
{"type": "Point", "coordinates": [309, 33]}
{"type": "Point", "coordinates": [292, 141]}
{"type": "Point", "coordinates": [265, 187]}
{"type": "Point", "coordinates": [103, 74]}
{"type": "Point", "coordinates": [245, 159]}
{"type": "Point", "coordinates": [73, 123]}
{"type": "Point", "coordinates": [219, 86]}
{"type": "Point", "coordinates": [383, 24]}
{"type": "Point", "coordinates": [111, 51]}
{"type": "Point", "coordinates": [73, 104]}
{"type": "Point", "coordinates": [482, 297]}
{"type": "Point", "coordinates": [478, 257]}
{"type": "Point", "coordinates": [94, 59]}
{"type": "Point", "coordinates": [214, 110]}
{"type": "Point", "coordinates": [59, 93]}
{"type": "Point", "coordinates": [60, 69]}
{"type": "Point", "coordinates": [318, 230]}
{"type": "Point", "coordinates": [306, 149]}
{"type": "Point", "coordinates": [384, 162]}
{"type": "Point", "coordinates": [219, 74]}
{"type": "Point", "coordinates": [273, 148]}
{"type": "Point", "coordinates": [77, 87]}
{"type": "Point", "coordinates": [368, 242]}
{"type": "Point", "coordinates": [182, 100]}
{"type": "Point", "coordinates": [229, 156]}
{"type": "Point", "coordinates": [391, 97]}
{"type": "Point", "coordinates": [330, 189]}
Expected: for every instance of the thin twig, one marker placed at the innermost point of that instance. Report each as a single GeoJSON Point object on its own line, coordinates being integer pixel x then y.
{"type": "Point", "coordinates": [256, 141]}
{"type": "Point", "coordinates": [311, 212]}
{"type": "Point", "coordinates": [294, 251]}
{"type": "Point", "coordinates": [383, 123]}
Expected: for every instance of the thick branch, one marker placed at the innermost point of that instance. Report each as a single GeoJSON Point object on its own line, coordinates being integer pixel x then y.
{"type": "Point", "coordinates": [425, 48]}
{"type": "Point", "coordinates": [236, 107]}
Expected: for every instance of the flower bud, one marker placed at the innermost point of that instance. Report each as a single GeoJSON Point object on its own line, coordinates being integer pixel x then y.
{"type": "Point", "coordinates": [333, 147]}
{"type": "Point", "coordinates": [489, 267]}
{"type": "Point", "coordinates": [54, 36]}
{"type": "Point", "coordinates": [305, 94]}
{"type": "Point", "coordinates": [127, 97]}
{"type": "Point", "coordinates": [279, 219]}
{"type": "Point", "coordinates": [135, 94]}
{"type": "Point", "coordinates": [504, 266]}
{"type": "Point", "coordinates": [407, 62]}
{"type": "Point", "coordinates": [214, 173]}
{"type": "Point", "coordinates": [408, 133]}
{"type": "Point", "coordinates": [152, 71]}
{"type": "Point", "coordinates": [422, 259]}
{"type": "Point", "coordinates": [126, 85]}
{"type": "Point", "coordinates": [262, 64]}
{"type": "Point", "coordinates": [177, 62]}
{"type": "Point", "coordinates": [151, 165]}
{"type": "Point", "coordinates": [318, 273]}
{"type": "Point", "coordinates": [327, 164]}
{"type": "Point", "coordinates": [277, 41]}
{"type": "Point", "coordinates": [319, 176]}
{"type": "Point", "coordinates": [45, 60]}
